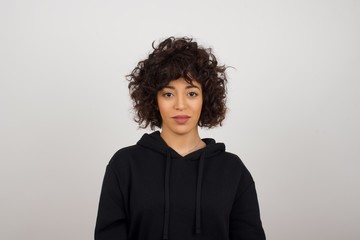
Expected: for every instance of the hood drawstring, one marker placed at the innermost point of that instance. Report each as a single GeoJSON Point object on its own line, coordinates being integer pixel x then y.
{"type": "Point", "coordinates": [167, 196]}
{"type": "Point", "coordinates": [198, 194]}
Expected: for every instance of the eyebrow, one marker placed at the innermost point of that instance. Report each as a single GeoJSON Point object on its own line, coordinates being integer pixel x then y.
{"type": "Point", "coordinates": [187, 87]}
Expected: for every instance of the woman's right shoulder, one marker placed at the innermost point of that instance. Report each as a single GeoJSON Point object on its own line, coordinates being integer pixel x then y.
{"type": "Point", "coordinates": [123, 156]}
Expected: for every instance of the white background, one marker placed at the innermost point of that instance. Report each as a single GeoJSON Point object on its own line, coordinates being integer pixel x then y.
{"type": "Point", "coordinates": [293, 99]}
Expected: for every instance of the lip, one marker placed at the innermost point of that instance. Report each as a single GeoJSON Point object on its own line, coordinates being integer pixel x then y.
{"type": "Point", "coordinates": [181, 119]}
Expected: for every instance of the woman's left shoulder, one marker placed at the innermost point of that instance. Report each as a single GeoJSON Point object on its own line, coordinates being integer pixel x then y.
{"type": "Point", "coordinates": [232, 157]}
{"type": "Point", "coordinates": [229, 160]}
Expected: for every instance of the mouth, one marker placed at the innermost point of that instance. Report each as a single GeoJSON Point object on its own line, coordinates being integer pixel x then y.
{"type": "Point", "coordinates": [181, 119]}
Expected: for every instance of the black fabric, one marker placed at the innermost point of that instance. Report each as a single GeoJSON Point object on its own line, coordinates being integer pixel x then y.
{"type": "Point", "coordinates": [150, 192]}
{"type": "Point", "coordinates": [167, 196]}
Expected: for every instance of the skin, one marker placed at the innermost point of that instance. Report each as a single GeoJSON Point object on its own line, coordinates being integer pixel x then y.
{"type": "Point", "coordinates": [180, 105]}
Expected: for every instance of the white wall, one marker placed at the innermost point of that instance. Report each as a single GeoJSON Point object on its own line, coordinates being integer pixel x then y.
{"type": "Point", "coordinates": [293, 98]}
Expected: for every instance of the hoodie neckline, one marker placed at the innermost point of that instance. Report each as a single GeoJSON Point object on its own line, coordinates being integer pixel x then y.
{"type": "Point", "coordinates": [155, 142]}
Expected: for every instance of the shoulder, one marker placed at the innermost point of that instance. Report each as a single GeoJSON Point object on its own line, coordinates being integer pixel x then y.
{"type": "Point", "coordinates": [122, 157]}
{"type": "Point", "coordinates": [217, 150]}
{"type": "Point", "coordinates": [232, 159]}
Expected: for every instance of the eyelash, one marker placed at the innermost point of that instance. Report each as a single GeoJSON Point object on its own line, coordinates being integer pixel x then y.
{"type": "Point", "coordinates": [167, 95]}
{"type": "Point", "coordinates": [190, 94]}
{"type": "Point", "coordinates": [193, 94]}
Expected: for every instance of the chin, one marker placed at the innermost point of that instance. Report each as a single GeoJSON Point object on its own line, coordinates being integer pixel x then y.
{"type": "Point", "coordinates": [183, 130]}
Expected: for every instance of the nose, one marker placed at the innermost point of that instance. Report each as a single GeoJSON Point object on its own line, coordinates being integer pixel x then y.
{"type": "Point", "coordinates": [179, 103]}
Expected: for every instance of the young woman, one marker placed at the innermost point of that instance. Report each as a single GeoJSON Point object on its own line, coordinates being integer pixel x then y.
{"type": "Point", "coordinates": [173, 184]}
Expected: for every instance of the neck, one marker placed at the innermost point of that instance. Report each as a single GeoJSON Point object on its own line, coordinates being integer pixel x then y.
{"type": "Point", "coordinates": [184, 143]}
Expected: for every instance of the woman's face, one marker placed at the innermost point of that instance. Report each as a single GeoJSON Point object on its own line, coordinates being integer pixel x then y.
{"type": "Point", "coordinates": [180, 106]}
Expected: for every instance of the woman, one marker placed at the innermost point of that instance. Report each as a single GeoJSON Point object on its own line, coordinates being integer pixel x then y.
{"type": "Point", "coordinates": [173, 184]}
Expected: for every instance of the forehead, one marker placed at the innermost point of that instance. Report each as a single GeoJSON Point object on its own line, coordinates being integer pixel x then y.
{"type": "Point", "coordinates": [182, 83]}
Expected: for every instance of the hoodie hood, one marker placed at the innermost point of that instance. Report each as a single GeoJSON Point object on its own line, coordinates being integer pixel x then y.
{"type": "Point", "coordinates": [154, 142]}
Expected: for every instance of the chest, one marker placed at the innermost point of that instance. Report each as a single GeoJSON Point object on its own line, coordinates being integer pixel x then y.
{"type": "Point", "coordinates": [147, 190]}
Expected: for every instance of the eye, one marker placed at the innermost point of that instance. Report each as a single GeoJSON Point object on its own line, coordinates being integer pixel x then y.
{"type": "Point", "coordinates": [193, 94]}
{"type": "Point", "coordinates": [167, 94]}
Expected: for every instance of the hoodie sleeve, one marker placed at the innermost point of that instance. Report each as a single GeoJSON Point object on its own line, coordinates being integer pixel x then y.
{"type": "Point", "coordinates": [245, 223]}
{"type": "Point", "coordinates": [111, 220]}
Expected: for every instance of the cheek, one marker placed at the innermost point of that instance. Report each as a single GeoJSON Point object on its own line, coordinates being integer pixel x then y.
{"type": "Point", "coordinates": [159, 103]}
{"type": "Point", "coordinates": [199, 106]}
{"type": "Point", "coordinates": [201, 102]}
{"type": "Point", "coordinates": [163, 108]}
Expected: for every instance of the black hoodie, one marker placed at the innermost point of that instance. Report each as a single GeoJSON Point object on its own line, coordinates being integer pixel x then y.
{"type": "Point", "coordinates": [150, 192]}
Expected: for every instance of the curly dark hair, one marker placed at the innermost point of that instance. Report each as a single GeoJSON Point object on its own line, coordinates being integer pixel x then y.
{"type": "Point", "coordinates": [171, 59]}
